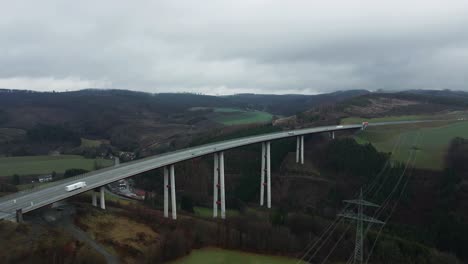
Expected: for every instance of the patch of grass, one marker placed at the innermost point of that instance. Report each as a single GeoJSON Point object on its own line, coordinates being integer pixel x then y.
{"type": "Point", "coordinates": [442, 116]}
{"type": "Point", "coordinates": [223, 256]}
{"type": "Point", "coordinates": [208, 212]}
{"type": "Point", "coordinates": [89, 143]}
{"type": "Point", "coordinates": [358, 120]}
{"type": "Point", "coordinates": [429, 140]}
{"type": "Point", "coordinates": [232, 116]}
{"type": "Point", "coordinates": [113, 231]}
{"type": "Point", "coordinates": [227, 110]}
{"type": "Point", "coordinates": [34, 165]}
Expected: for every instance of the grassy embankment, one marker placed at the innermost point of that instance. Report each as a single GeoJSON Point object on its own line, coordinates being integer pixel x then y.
{"type": "Point", "coordinates": [23, 243]}
{"type": "Point", "coordinates": [430, 140]}
{"type": "Point", "coordinates": [233, 116]}
{"type": "Point", "coordinates": [36, 165]}
{"type": "Point", "coordinates": [223, 256]}
{"type": "Point", "coordinates": [120, 235]}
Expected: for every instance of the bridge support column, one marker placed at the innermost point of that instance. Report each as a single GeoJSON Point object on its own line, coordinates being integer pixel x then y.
{"type": "Point", "coordinates": [94, 201]}
{"type": "Point", "coordinates": [268, 165]}
{"type": "Point", "coordinates": [332, 135]}
{"type": "Point", "coordinates": [218, 183]}
{"type": "Point", "coordinates": [215, 185]}
{"type": "Point", "coordinates": [298, 148]}
{"type": "Point", "coordinates": [266, 171]}
{"type": "Point", "coordinates": [173, 193]}
{"type": "Point", "coordinates": [222, 185]}
{"type": "Point", "coordinates": [302, 149]}
{"type": "Point", "coordinates": [166, 192]}
{"type": "Point", "coordinates": [262, 174]}
{"type": "Point", "coordinates": [19, 215]}
{"type": "Point", "coordinates": [103, 201]}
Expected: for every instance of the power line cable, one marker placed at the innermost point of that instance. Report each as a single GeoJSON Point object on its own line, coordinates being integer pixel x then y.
{"type": "Point", "coordinates": [392, 211]}
{"type": "Point", "coordinates": [335, 222]}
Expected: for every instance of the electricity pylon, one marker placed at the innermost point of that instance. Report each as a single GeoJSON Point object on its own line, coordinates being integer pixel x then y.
{"type": "Point", "coordinates": [360, 218]}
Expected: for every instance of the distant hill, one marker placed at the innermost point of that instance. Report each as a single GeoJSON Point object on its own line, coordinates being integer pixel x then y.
{"type": "Point", "coordinates": [383, 104]}
{"type": "Point", "coordinates": [134, 120]}
{"type": "Point", "coordinates": [289, 104]}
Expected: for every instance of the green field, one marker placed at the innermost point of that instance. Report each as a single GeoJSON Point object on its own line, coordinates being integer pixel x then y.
{"type": "Point", "coordinates": [358, 120]}
{"type": "Point", "coordinates": [33, 165]}
{"type": "Point", "coordinates": [233, 116]}
{"type": "Point", "coordinates": [89, 143]}
{"type": "Point", "coordinates": [429, 140]}
{"type": "Point", "coordinates": [445, 116]}
{"type": "Point", "coordinates": [222, 256]}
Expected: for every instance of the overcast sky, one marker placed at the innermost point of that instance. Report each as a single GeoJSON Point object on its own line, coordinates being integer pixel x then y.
{"type": "Point", "coordinates": [227, 47]}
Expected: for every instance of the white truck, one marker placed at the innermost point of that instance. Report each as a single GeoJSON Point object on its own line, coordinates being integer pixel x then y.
{"type": "Point", "coordinates": [74, 186]}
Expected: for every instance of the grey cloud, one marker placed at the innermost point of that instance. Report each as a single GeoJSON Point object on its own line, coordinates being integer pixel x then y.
{"type": "Point", "coordinates": [234, 46]}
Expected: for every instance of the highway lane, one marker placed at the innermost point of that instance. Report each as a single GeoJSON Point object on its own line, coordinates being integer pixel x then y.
{"type": "Point", "coordinates": [37, 198]}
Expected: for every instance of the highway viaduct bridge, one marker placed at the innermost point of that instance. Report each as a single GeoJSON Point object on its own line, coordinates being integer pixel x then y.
{"type": "Point", "coordinates": [13, 206]}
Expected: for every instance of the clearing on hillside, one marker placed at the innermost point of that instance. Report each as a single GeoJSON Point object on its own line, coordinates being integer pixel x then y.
{"type": "Point", "coordinates": [233, 116]}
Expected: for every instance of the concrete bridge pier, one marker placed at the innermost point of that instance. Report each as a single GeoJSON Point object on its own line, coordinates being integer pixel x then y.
{"type": "Point", "coordinates": [215, 185]}
{"type": "Point", "coordinates": [221, 179]}
{"type": "Point", "coordinates": [302, 150]}
{"type": "Point", "coordinates": [166, 192]}
{"type": "Point", "coordinates": [219, 185]}
{"type": "Point", "coordinates": [265, 171]}
{"type": "Point", "coordinates": [332, 135]}
{"type": "Point", "coordinates": [103, 201]}
{"type": "Point", "coordinates": [19, 215]}
{"type": "Point", "coordinates": [173, 193]}
{"type": "Point", "coordinates": [268, 167]}
{"type": "Point", "coordinates": [298, 148]}
{"type": "Point", "coordinates": [94, 195]}
{"type": "Point", "coordinates": [262, 175]}
{"type": "Point", "coordinates": [169, 172]}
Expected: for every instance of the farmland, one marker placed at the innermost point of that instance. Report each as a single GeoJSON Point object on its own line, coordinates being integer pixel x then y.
{"type": "Point", "coordinates": [429, 140]}
{"type": "Point", "coordinates": [234, 116]}
{"type": "Point", "coordinates": [218, 256]}
{"type": "Point", "coordinates": [34, 165]}
{"type": "Point", "coordinates": [443, 116]}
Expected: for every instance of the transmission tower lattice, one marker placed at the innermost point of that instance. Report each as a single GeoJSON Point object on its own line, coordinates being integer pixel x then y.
{"type": "Point", "coordinates": [360, 218]}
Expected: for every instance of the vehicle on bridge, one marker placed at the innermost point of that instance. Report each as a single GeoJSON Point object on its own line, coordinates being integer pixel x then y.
{"type": "Point", "coordinates": [75, 186]}
{"type": "Point", "coordinates": [364, 124]}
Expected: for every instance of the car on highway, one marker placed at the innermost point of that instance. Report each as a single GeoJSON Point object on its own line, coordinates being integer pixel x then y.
{"type": "Point", "coordinates": [339, 126]}
{"type": "Point", "coordinates": [365, 124]}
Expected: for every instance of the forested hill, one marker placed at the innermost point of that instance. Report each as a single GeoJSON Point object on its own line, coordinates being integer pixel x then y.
{"type": "Point", "coordinates": [385, 104]}
{"type": "Point", "coordinates": [131, 120]}
{"type": "Point", "coordinates": [289, 104]}
{"type": "Point", "coordinates": [116, 100]}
